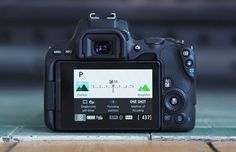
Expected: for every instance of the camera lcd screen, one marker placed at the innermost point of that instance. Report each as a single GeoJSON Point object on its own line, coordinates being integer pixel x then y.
{"type": "Point", "coordinates": [110, 83]}
{"type": "Point", "coordinates": [108, 95]}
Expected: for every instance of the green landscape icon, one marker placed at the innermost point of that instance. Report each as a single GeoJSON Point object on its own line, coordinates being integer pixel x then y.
{"type": "Point", "coordinates": [144, 88]}
{"type": "Point", "coordinates": [82, 86]}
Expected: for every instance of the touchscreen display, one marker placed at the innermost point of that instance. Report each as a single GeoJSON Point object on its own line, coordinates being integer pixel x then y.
{"type": "Point", "coordinates": [109, 95]}
{"type": "Point", "coordinates": [110, 83]}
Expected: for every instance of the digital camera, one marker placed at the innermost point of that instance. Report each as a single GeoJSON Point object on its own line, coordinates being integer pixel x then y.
{"type": "Point", "coordinates": [102, 79]}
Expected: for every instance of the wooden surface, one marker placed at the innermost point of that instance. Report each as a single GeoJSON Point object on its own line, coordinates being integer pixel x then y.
{"type": "Point", "coordinates": [111, 146]}
{"type": "Point", "coordinates": [118, 146]}
{"type": "Point", "coordinates": [225, 146]}
{"type": "Point", "coordinates": [5, 147]}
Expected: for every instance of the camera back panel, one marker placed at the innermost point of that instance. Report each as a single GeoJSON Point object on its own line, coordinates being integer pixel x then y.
{"type": "Point", "coordinates": [104, 80]}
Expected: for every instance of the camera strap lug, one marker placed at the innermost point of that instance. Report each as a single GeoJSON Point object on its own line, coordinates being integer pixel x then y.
{"type": "Point", "coordinates": [112, 16]}
{"type": "Point", "coordinates": [93, 16]}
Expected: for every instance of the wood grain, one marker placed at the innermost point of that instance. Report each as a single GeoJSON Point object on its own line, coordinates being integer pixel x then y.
{"type": "Point", "coordinates": [111, 146]}
{"type": "Point", "coordinates": [225, 146]}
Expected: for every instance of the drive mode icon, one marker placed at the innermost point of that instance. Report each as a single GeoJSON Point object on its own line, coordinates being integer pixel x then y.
{"type": "Point", "coordinates": [91, 102]}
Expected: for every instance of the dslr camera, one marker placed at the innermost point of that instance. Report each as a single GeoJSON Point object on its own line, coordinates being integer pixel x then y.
{"type": "Point", "coordinates": [102, 79]}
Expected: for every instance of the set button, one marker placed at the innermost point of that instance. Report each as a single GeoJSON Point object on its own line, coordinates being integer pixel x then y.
{"type": "Point", "coordinates": [174, 101]}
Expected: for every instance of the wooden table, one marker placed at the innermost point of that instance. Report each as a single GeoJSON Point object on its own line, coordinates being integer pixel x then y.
{"type": "Point", "coordinates": [119, 146]}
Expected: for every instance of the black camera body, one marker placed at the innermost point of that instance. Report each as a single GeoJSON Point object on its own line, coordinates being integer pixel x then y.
{"type": "Point", "coordinates": [104, 80]}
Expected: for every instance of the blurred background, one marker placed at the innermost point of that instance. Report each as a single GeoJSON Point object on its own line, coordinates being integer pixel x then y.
{"type": "Point", "coordinates": [29, 27]}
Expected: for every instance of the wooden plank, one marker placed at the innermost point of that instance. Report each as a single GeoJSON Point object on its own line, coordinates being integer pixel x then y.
{"type": "Point", "coordinates": [225, 146]}
{"type": "Point", "coordinates": [5, 147]}
{"type": "Point", "coordinates": [198, 134]}
{"type": "Point", "coordinates": [114, 146]}
{"type": "Point", "coordinates": [42, 133]}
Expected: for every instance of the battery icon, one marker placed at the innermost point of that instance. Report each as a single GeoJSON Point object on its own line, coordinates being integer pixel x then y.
{"type": "Point", "coordinates": [128, 117]}
{"type": "Point", "coordinates": [91, 117]}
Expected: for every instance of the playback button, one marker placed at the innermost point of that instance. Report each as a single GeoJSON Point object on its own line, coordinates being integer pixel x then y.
{"type": "Point", "coordinates": [167, 117]}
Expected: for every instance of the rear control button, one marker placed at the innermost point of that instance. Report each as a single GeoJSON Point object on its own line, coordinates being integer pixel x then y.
{"type": "Point", "coordinates": [179, 118]}
{"type": "Point", "coordinates": [137, 47]}
{"type": "Point", "coordinates": [174, 101]}
{"type": "Point", "coordinates": [189, 63]}
{"type": "Point", "coordinates": [167, 117]}
{"type": "Point", "coordinates": [68, 52]}
{"type": "Point", "coordinates": [167, 83]}
{"type": "Point", "coordinates": [186, 53]}
{"type": "Point", "coordinates": [57, 52]}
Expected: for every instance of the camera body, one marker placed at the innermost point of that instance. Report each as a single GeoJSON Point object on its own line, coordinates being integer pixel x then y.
{"type": "Point", "coordinates": [104, 80]}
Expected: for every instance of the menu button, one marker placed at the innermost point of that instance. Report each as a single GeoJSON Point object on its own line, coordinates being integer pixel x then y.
{"type": "Point", "coordinates": [57, 52]}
